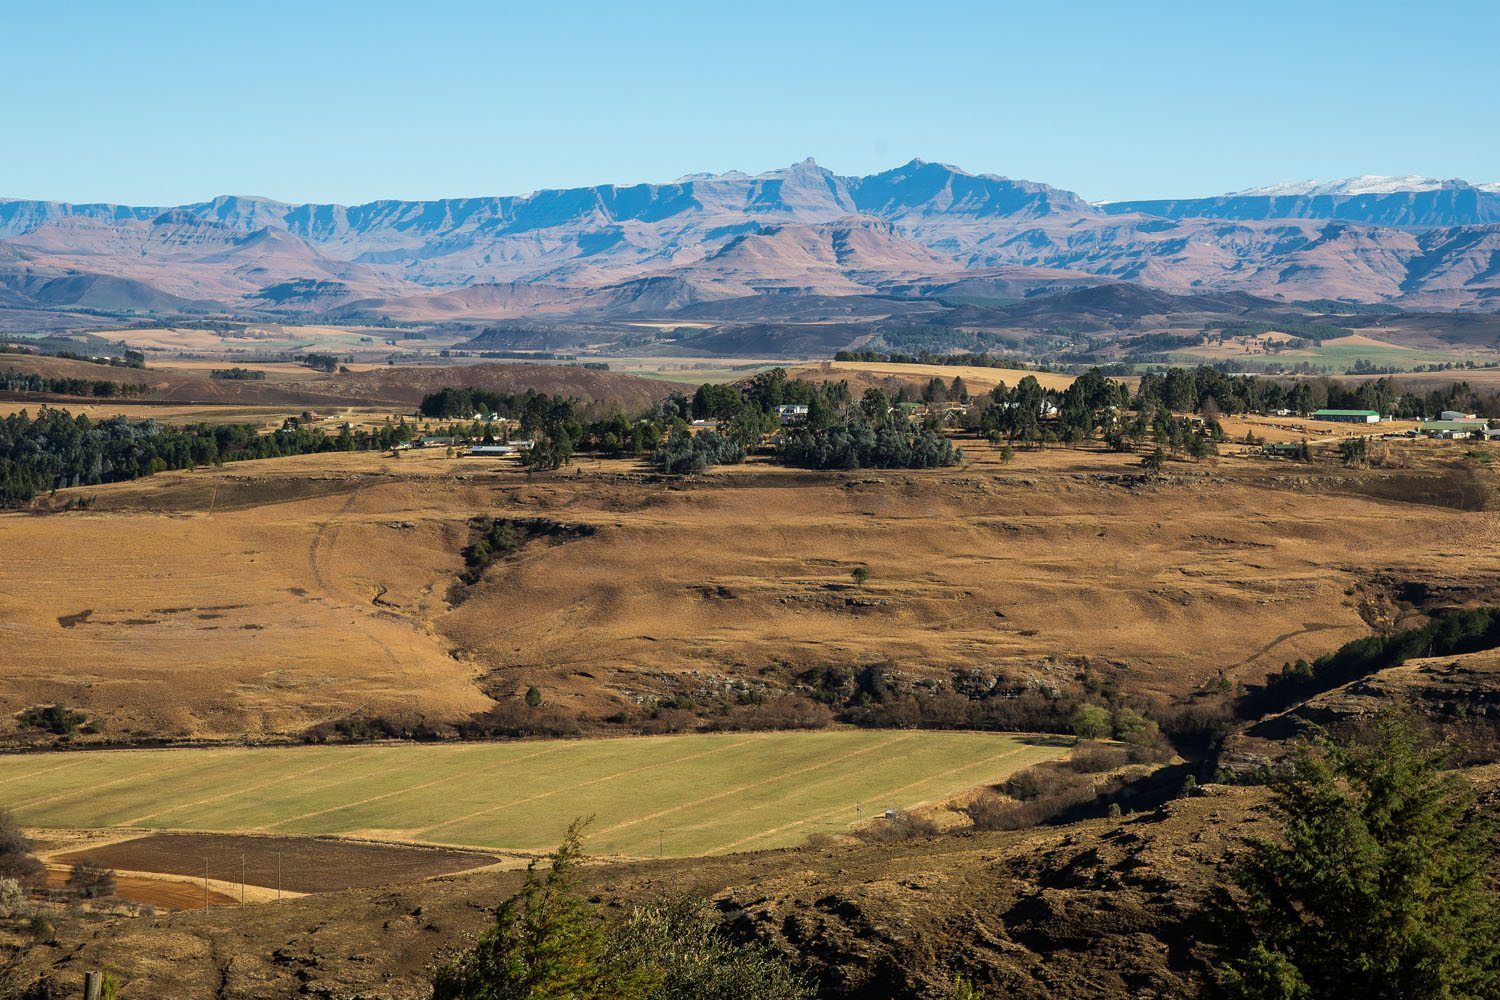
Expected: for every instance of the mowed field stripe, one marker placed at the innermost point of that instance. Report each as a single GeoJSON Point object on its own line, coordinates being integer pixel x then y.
{"type": "Point", "coordinates": [407, 790]}
{"type": "Point", "coordinates": [926, 780]}
{"type": "Point", "coordinates": [584, 784]}
{"type": "Point", "coordinates": [742, 789]}
{"type": "Point", "coordinates": [40, 771]}
{"type": "Point", "coordinates": [91, 790]}
{"type": "Point", "coordinates": [237, 790]}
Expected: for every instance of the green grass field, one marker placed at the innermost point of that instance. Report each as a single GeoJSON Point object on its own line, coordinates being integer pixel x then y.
{"type": "Point", "coordinates": [681, 795]}
{"type": "Point", "coordinates": [1338, 356]}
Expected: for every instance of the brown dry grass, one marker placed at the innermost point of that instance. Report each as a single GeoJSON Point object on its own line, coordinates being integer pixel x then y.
{"type": "Point", "coordinates": [261, 598]}
{"type": "Point", "coordinates": [860, 373]}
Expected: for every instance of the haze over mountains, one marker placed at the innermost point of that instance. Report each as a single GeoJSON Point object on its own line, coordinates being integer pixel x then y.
{"type": "Point", "coordinates": [657, 249]}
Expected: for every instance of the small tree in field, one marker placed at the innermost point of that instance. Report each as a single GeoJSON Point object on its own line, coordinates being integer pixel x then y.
{"type": "Point", "coordinates": [1091, 722]}
{"type": "Point", "coordinates": [91, 880]}
{"type": "Point", "coordinates": [534, 697]}
{"type": "Point", "coordinates": [1380, 883]}
{"type": "Point", "coordinates": [860, 575]}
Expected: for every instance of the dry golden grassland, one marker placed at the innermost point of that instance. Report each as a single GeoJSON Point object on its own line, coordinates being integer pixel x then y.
{"type": "Point", "coordinates": [262, 598]}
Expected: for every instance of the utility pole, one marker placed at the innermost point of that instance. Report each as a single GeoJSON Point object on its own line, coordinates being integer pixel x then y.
{"type": "Point", "coordinates": [242, 876]}
{"type": "Point", "coordinates": [278, 876]}
{"type": "Point", "coordinates": [206, 903]}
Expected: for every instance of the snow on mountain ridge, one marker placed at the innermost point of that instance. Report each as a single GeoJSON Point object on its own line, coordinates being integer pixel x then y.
{"type": "Point", "coordinates": [1349, 186]}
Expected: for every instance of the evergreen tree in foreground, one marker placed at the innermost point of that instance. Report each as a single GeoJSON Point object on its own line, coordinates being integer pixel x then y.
{"type": "Point", "coordinates": [1380, 885]}
{"type": "Point", "coordinates": [547, 943]}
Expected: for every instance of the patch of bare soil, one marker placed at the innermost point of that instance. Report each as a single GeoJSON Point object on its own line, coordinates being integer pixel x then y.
{"type": "Point", "coordinates": [299, 864]}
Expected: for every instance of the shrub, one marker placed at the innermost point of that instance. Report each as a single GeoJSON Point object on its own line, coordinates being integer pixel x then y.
{"type": "Point", "coordinates": [897, 826]}
{"type": "Point", "coordinates": [516, 718]}
{"type": "Point", "coordinates": [784, 712]}
{"type": "Point", "coordinates": [55, 719]}
{"type": "Point", "coordinates": [1130, 726]}
{"type": "Point", "coordinates": [12, 899]}
{"type": "Point", "coordinates": [16, 859]}
{"type": "Point", "coordinates": [680, 947]}
{"type": "Point", "coordinates": [91, 880]}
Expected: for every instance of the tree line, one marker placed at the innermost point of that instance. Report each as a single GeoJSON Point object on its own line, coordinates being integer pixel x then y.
{"type": "Point", "coordinates": [14, 381]}
{"type": "Point", "coordinates": [55, 450]}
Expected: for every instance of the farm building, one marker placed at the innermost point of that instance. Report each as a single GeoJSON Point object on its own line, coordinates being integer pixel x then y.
{"type": "Point", "coordinates": [1284, 449]}
{"type": "Point", "coordinates": [1348, 416]}
{"type": "Point", "coordinates": [791, 413]}
{"type": "Point", "coordinates": [498, 449]}
{"type": "Point", "coordinates": [1454, 428]}
{"type": "Point", "coordinates": [1456, 415]}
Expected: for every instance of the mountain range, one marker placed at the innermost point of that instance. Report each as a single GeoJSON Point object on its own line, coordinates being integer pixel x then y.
{"type": "Point", "coordinates": [656, 249]}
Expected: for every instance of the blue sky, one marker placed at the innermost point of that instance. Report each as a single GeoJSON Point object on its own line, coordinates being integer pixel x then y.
{"type": "Point", "coordinates": [167, 102]}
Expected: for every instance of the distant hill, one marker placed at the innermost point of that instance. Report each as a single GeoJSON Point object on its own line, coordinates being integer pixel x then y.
{"type": "Point", "coordinates": [402, 386]}
{"type": "Point", "coordinates": [1413, 202]}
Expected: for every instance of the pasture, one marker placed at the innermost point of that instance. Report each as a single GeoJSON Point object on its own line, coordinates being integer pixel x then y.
{"type": "Point", "coordinates": [672, 795]}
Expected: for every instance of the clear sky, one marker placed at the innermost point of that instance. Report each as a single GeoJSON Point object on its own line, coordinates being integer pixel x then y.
{"type": "Point", "coordinates": [169, 102]}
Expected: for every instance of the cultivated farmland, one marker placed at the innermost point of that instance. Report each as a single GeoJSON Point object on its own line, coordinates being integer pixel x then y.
{"type": "Point", "coordinates": [678, 795]}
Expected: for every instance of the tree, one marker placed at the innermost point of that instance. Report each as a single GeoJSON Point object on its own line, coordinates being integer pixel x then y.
{"type": "Point", "coordinates": [1379, 884]}
{"type": "Point", "coordinates": [1355, 451]}
{"type": "Point", "coordinates": [1090, 722]}
{"type": "Point", "coordinates": [534, 697]}
{"type": "Point", "coordinates": [91, 880]}
{"type": "Point", "coordinates": [1154, 462]}
{"type": "Point", "coordinates": [546, 943]}
{"type": "Point", "coordinates": [860, 575]}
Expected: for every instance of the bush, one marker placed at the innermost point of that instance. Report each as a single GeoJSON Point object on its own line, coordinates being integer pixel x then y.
{"type": "Point", "coordinates": [784, 712]}
{"type": "Point", "coordinates": [12, 899]}
{"type": "Point", "coordinates": [91, 880]}
{"type": "Point", "coordinates": [897, 826]}
{"type": "Point", "coordinates": [54, 719]}
{"type": "Point", "coordinates": [517, 719]}
{"type": "Point", "coordinates": [16, 860]}
{"type": "Point", "coordinates": [680, 946]}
